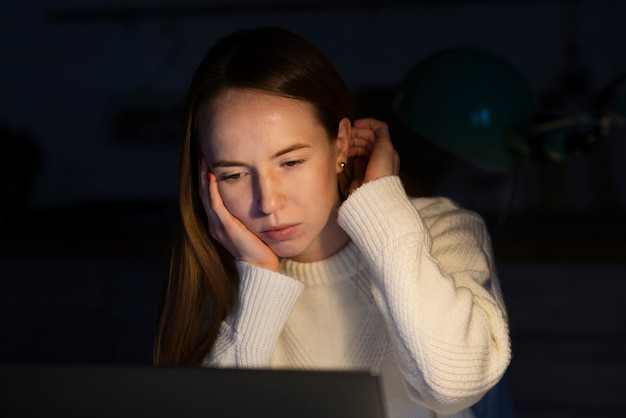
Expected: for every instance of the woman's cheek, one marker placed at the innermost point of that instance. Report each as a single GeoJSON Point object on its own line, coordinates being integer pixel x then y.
{"type": "Point", "coordinates": [234, 200]}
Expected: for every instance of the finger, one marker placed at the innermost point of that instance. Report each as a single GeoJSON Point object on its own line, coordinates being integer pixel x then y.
{"type": "Point", "coordinates": [360, 150]}
{"type": "Point", "coordinates": [208, 200]}
{"type": "Point", "coordinates": [203, 183]}
{"type": "Point", "coordinates": [378, 130]}
{"type": "Point", "coordinates": [224, 224]}
{"type": "Point", "coordinates": [363, 137]}
{"type": "Point", "coordinates": [363, 133]}
{"type": "Point", "coordinates": [371, 123]}
{"type": "Point", "coordinates": [360, 166]}
{"type": "Point", "coordinates": [209, 196]}
{"type": "Point", "coordinates": [364, 141]}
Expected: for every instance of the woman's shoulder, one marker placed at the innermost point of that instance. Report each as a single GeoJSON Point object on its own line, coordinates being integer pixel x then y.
{"type": "Point", "coordinates": [434, 204]}
{"type": "Point", "coordinates": [440, 207]}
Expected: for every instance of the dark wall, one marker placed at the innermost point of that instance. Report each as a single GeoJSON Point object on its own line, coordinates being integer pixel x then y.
{"type": "Point", "coordinates": [91, 95]}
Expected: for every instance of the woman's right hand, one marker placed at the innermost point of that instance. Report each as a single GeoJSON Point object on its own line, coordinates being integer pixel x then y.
{"type": "Point", "coordinates": [375, 155]}
{"type": "Point", "coordinates": [230, 231]}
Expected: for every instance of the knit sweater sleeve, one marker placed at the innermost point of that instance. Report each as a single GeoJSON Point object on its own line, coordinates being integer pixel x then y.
{"type": "Point", "coordinates": [435, 284]}
{"type": "Point", "coordinates": [248, 335]}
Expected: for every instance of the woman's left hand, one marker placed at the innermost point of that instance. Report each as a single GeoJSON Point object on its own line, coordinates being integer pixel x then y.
{"type": "Point", "coordinates": [374, 153]}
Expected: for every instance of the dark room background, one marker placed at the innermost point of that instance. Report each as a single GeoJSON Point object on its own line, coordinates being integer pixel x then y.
{"type": "Point", "coordinates": [90, 101]}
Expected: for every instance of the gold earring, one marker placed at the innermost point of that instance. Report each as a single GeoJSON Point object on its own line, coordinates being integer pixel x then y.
{"type": "Point", "coordinates": [341, 165]}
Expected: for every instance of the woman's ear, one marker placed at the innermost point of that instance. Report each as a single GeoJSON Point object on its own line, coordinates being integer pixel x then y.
{"type": "Point", "coordinates": [343, 140]}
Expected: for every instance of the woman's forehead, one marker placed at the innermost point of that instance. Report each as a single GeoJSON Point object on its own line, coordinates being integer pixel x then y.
{"type": "Point", "coordinates": [245, 121]}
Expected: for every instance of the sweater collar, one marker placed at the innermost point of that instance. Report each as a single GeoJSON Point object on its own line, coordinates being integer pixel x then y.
{"type": "Point", "coordinates": [340, 266]}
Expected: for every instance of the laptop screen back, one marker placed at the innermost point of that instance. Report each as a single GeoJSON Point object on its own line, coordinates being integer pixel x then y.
{"type": "Point", "coordinates": [74, 390]}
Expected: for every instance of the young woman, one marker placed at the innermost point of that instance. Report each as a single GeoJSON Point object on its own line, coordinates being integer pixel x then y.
{"type": "Point", "coordinates": [299, 247]}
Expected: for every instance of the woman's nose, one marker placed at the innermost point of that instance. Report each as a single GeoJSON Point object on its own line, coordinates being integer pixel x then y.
{"type": "Point", "coordinates": [269, 196]}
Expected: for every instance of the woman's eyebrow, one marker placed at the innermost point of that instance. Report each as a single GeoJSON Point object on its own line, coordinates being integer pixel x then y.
{"type": "Point", "coordinates": [291, 148]}
{"type": "Point", "coordinates": [226, 163]}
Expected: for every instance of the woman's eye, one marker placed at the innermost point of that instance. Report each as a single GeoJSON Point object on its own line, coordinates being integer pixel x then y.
{"type": "Point", "coordinates": [235, 176]}
{"type": "Point", "coordinates": [293, 163]}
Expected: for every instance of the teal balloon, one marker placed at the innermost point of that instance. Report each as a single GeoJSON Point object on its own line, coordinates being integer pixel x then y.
{"type": "Point", "coordinates": [470, 102]}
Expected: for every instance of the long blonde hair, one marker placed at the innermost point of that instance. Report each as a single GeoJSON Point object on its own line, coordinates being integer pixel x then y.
{"type": "Point", "coordinates": [203, 281]}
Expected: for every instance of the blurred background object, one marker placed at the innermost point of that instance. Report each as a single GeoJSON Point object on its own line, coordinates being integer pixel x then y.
{"type": "Point", "coordinates": [472, 103]}
{"type": "Point", "coordinates": [477, 106]}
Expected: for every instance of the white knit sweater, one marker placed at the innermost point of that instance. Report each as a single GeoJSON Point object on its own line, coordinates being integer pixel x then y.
{"type": "Point", "coordinates": [414, 297]}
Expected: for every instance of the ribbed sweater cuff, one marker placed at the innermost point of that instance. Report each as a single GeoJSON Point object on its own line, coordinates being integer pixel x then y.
{"type": "Point", "coordinates": [377, 212]}
{"type": "Point", "coordinates": [266, 299]}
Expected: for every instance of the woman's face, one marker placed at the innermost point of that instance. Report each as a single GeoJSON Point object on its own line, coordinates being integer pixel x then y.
{"type": "Point", "coordinates": [277, 170]}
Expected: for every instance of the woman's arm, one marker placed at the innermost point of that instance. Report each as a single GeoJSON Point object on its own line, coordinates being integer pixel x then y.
{"type": "Point", "coordinates": [248, 336]}
{"type": "Point", "coordinates": [435, 284]}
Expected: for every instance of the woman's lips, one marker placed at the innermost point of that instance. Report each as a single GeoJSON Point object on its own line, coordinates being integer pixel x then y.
{"type": "Point", "coordinates": [280, 233]}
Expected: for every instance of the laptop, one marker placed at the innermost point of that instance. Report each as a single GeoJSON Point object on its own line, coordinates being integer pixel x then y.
{"type": "Point", "coordinates": [98, 391]}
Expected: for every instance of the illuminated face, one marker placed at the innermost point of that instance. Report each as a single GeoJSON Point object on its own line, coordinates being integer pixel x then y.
{"type": "Point", "coordinates": [277, 171]}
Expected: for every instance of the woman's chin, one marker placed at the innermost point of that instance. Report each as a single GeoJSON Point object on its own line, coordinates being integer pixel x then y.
{"type": "Point", "coordinates": [283, 252]}
{"type": "Point", "coordinates": [287, 250]}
